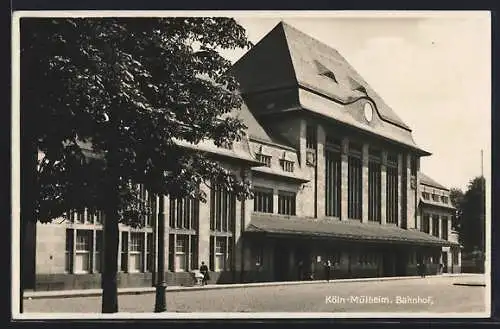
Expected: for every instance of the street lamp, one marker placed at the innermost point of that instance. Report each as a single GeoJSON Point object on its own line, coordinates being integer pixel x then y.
{"type": "Point", "coordinates": [161, 284]}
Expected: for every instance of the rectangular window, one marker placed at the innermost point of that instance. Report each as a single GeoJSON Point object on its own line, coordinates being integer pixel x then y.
{"type": "Point", "coordinates": [171, 252]}
{"type": "Point", "coordinates": [181, 252]}
{"type": "Point", "coordinates": [150, 266]}
{"type": "Point", "coordinates": [124, 252]}
{"type": "Point", "coordinates": [286, 203]}
{"type": "Point", "coordinates": [333, 182]}
{"type": "Point", "coordinates": [136, 251]}
{"type": "Point", "coordinates": [444, 199]}
{"type": "Point", "coordinates": [222, 210]}
{"type": "Point", "coordinates": [374, 188]}
{"type": "Point", "coordinates": [69, 251]}
{"type": "Point", "coordinates": [194, 251]}
{"type": "Point", "coordinates": [286, 165]}
{"type": "Point", "coordinates": [435, 197]}
{"type": "Point", "coordinates": [444, 228]}
{"type": "Point", "coordinates": [425, 227]}
{"type": "Point", "coordinates": [392, 189]}
{"type": "Point", "coordinates": [149, 202]}
{"type": "Point", "coordinates": [98, 251]}
{"type": "Point", "coordinates": [83, 251]}
{"type": "Point", "coordinates": [435, 226]}
{"type": "Point", "coordinates": [184, 213]}
{"type": "Point", "coordinates": [220, 253]}
{"type": "Point", "coordinates": [426, 195]}
{"type": "Point", "coordinates": [264, 159]}
{"type": "Point", "coordinates": [354, 196]}
{"type": "Point", "coordinates": [80, 216]}
{"type": "Point", "coordinates": [311, 141]}
{"type": "Point", "coordinates": [263, 200]}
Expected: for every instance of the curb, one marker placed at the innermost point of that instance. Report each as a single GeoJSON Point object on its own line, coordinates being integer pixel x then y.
{"type": "Point", "coordinates": [470, 284]}
{"type": "Point", "coordinates": [149, 290]}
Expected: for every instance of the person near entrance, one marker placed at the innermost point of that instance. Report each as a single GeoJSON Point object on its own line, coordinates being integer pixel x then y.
{"type": "Point", "coordinates": [204, 271]}
{"type": "Point", "coordinates": [328, 268]}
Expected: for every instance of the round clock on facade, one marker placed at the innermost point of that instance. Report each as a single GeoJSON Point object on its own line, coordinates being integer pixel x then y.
{"type": "Point", "coordinates": [368, 112]}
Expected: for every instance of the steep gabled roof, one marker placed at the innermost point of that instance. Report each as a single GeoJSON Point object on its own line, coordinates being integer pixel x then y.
{"type": "Point", "coordinates": [288, 71]}
{"type": "Point", "coordinates": [306, 52]}
{"type": "Point", "coordinates": [426, 180]}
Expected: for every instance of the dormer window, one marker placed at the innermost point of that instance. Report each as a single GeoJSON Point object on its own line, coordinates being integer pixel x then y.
{"type": "Point", "coordinates": [329, 74]}
{"type": "Point", "coordinates": [286, 165]}
{"type": "Point", "coordinates": [264, 159]}
{"type": "Point", "coordinates": [324, 71]}
{"type": "Point", "coordinates": [361, 89]}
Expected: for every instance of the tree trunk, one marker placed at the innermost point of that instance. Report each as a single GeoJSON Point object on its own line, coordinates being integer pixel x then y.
{"type": "Point", "coordinates": [109, 275]}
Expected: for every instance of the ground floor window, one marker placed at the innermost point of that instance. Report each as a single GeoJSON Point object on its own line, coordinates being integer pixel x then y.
{"type": "Point", "coordinates": [220, 253]}
{"type": "Point", "coordinates": [136, 252]}
{"type": "Point", "coordinates": [83, 251]}
{"type": "Point", "coordinates": [183, 252]}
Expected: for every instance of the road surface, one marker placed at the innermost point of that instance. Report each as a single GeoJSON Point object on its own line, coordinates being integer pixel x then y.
{"type": "Point", "coordinates": [431, 294]}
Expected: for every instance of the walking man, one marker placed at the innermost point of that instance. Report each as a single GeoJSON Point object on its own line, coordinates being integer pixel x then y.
{"type": "Point", "coordinates": [328, 267]}
{"type": "Point", "coordinates": [204, 271]}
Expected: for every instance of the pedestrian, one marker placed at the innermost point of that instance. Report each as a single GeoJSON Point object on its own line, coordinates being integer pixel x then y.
{"type": "Point", "coordinates": [204, 271]}
{"type": "Point", "coordinates": [424, 269]}
{"type": "Point", "coordinates": [328, 267]}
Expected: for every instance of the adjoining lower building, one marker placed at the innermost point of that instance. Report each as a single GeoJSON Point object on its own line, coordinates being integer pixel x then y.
{"type": "Point", "coordinates": [336, 176]}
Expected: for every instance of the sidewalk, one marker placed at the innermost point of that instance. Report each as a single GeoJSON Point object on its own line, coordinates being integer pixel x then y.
{"type": "Point", "coordinates": [147, 290]}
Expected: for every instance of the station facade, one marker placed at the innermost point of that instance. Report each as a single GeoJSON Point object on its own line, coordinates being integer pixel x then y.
{"type": "Point", "coordinates": [336, 176]}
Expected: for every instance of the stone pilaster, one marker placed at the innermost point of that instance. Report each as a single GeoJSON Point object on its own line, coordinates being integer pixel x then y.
{"type": "Point", "coordinates": [364, 184]}
{"type": "Point", "coordinates": [302, 143]}
{"type": "Point", "coordinates": [411, 194]}
{"type": "Point", "coordinates": [204, 228]}
{"type": "Point", "coordinates": [383, 188]}
{"type": "Point", "coordinates": [243, 217]}
{"type": "Point", "coordinates": [440, 226]}
{"type": "Point", "coordinates": [166, 213]}
{"type": "Point", "coordinates": [344, 188]}
{"type": "Point", "coordinates": [320, 172]}
{"type": "Point", "coordinates": [400, 199]}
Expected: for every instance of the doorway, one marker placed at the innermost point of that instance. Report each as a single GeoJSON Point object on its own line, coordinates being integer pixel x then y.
{"type": "Point", "coordinates": [281, 258]}
{"type": "Point", "coordinates": [388, 264]}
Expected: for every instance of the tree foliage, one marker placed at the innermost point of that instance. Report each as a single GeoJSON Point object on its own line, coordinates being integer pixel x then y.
{"type": "Point", "coordinates": [471, 214]}
{"type": "Point", "coordinates": [106, 98]}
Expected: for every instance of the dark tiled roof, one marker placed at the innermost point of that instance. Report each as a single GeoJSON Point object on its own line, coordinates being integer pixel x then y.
{"type": "Point", "coordinates": [426, 180]}
{"type": "Point", "coordinates": [305, 51]}
{"type": "Point", "coordinates": [295, 67]}
{"type": "Point", "coordinates": [255, 130]}
{"type": "Point", "coordinates": [336, 229]}
{"type": "Point", "coordinates": [437, 204]}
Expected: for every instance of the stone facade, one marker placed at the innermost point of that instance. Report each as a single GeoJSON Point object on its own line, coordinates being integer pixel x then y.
{"type": "Point", "coordinates": [282, 112]}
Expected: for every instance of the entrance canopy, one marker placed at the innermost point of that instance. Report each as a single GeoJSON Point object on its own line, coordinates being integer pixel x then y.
{"type": "Point", "coordinates": [343, 230]}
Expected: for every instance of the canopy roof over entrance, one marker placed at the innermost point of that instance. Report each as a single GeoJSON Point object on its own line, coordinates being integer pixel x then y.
{"type": "Point", "coordinates": [335, 229]}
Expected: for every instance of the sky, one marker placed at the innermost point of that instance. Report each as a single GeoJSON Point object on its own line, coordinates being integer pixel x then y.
{"type": "Point", "coordinates": [433, 70]}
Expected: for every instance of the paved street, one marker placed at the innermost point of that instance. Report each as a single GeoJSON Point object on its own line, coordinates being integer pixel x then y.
{"type": "Point", "coordinates": [431, 294]}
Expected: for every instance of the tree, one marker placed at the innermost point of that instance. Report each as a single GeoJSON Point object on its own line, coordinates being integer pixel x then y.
{"type": "Point", "coordinates": [456, 199]}
{"type": "Point", "coordinates": [104, 100]}
{"type": "Point", "coordinates": [470, 211]}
